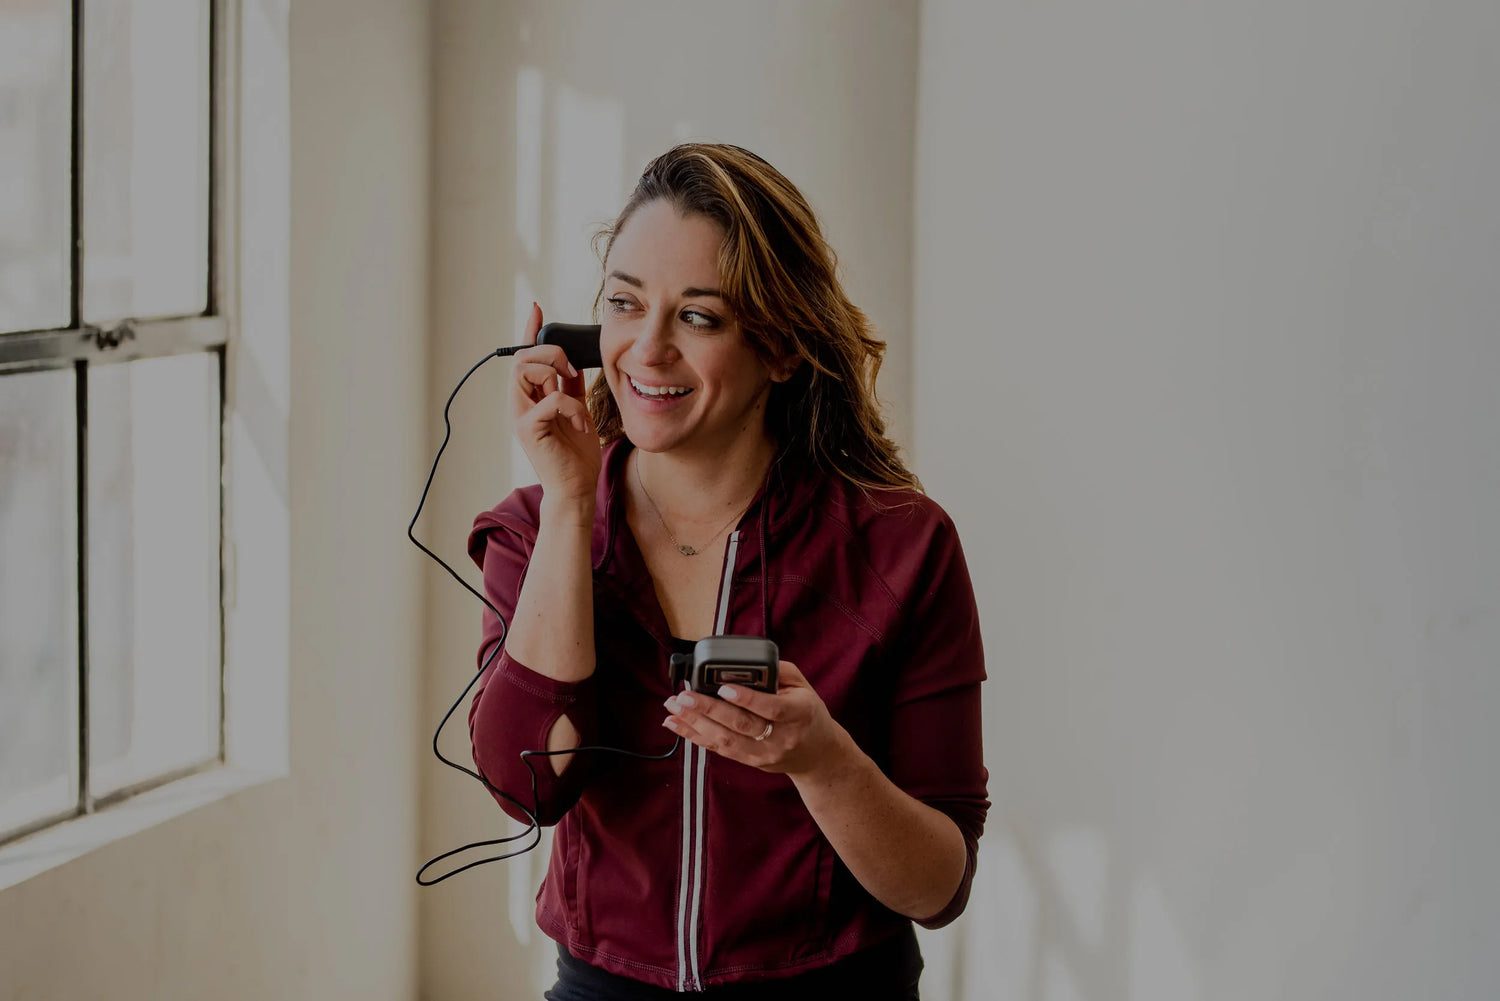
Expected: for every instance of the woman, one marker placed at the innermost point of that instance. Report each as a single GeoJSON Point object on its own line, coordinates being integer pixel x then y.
{"type": "Point", "coordinates": [745, 486]}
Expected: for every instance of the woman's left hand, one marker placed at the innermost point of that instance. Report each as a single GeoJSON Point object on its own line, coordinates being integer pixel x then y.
{"type": "Point", "coordinates": [790, 732]}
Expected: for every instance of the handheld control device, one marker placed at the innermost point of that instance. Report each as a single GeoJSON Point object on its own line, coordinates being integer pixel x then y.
{"type": "Point", "coordinates": [749, 661]}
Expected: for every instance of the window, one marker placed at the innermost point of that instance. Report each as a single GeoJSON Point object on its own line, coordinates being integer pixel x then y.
{"type": "Point", "coordinates": [113, 347]}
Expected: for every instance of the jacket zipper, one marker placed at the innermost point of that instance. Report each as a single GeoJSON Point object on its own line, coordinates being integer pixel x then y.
{"type": "Point", "coordinates": [694, 778]}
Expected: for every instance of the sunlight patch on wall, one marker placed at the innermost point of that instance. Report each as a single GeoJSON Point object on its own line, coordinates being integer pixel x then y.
{"type": "Point", "coordinates": [521, 473]}
{"type": "Point", "coordinates": [529, 164]}
{"type": "Point", "coordinates": [588, 189]}
{"type": "Point", "coordinates": [1161, 967]}
{"type": "Point", "coordinates": [1077, 861]}
{"type": "Point", "coordinates": [987, 955]}
{"type": "Point", "coordinates": [1058, 984]}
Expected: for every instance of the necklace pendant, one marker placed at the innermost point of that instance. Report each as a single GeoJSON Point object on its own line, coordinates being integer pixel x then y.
{"type": "Point", "coordinates": [686, 550]}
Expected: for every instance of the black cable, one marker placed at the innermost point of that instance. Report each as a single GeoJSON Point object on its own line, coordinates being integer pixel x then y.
{"type": "Point", "coordinates": [534, 830]}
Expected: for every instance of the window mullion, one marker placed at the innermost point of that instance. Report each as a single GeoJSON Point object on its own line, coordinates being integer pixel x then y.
{"type": "Point", "coordinates": [81, 384]}
{"type": "Point", "coordinates": [81, 387]}
{"type": "Point", "coordinates": [75, 222]}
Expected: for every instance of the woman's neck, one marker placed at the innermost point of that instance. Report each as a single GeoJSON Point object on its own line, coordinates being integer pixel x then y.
{"type": "Point", "coordinates": [698, 487]}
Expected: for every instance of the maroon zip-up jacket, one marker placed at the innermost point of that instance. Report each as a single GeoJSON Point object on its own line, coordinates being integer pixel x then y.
{"type": "Point", "coordinates": [697, 870]}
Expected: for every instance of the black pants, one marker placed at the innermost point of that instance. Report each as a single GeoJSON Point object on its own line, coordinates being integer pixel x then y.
{"type": "Point", "coordinates": [888, 972]}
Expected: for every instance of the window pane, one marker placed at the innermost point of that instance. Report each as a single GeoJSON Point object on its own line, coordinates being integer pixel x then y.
{"type": "Point", "coordinates": [145, 171]}
{"type": "Point", "coordinates": [38, 598]}
{"type": "Point", "coordinates": [36, 149]}
{"type": "Point", "coordinates": [153, 568]}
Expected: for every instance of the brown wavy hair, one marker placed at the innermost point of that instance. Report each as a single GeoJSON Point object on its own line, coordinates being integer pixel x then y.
{"type": "Point", "coordinates": [780, 277]}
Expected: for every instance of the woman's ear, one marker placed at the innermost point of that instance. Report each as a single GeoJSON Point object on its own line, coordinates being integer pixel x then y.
{"type": "Point", "coordinates": [785, 369]}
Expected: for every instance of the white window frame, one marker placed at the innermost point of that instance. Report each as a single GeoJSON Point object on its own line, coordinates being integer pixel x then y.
{"type": "Point", "coordinates": [251, 230]}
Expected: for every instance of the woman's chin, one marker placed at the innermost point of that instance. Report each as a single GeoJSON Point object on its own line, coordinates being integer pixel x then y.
{"type": "Point", "coordinates": [650, 436]}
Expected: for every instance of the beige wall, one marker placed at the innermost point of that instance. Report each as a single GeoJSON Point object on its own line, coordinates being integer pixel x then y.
{"type": "Point", "coordinates": [544, 115]}
{"type": "Point", "coordinates": [1206, 370]}
{"type": "Point", "coordinates": [303, 888]}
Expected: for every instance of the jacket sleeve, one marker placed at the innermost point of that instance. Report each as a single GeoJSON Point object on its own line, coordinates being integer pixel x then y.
{"type": "Point", "coordinates": [514, 707]}
{"type": "Point", "coordinates": [937, 752]}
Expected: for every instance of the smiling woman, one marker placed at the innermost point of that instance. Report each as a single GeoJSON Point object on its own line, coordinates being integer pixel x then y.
{"type": "Point", "coordinates": [768, 267]}
{"type": "Point", "coordinates": [729, 474]}
{"type": "Point", "coordinates": [676, 362]}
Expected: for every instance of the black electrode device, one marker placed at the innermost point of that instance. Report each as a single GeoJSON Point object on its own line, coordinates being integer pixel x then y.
{"type": "Point", "coordinates": [716, 660]}
{"type": "Point", "coordinates": [579, 341]}
{"type": "Point", "coordinates": [748, 661]}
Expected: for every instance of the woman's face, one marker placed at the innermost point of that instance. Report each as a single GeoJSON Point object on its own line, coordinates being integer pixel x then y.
{"type": "Point", "coordinates": [674, 355]}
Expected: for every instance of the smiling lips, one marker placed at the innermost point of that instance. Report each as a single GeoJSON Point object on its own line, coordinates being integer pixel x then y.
{"type": "Point", "coordinates": [657, 394]}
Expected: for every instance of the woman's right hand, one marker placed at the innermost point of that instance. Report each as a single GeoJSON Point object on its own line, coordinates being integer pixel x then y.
{"type": "Point", "coordinates": [552, 422]}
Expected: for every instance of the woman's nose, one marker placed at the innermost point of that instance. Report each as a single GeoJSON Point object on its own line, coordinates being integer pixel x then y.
{"type": "Point", "coordinates": [653, 345]}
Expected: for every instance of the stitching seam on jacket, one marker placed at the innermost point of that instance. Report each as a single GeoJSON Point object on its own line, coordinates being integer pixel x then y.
{"type": "Point", "coordinates": [849, 613]}
{"type": "Point", "coordinates": [554, 698]}
{"type": "Point", "coordinates": [864, 556]}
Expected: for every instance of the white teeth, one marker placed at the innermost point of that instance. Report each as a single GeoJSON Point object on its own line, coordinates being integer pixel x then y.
{"type": "Point", "coordinates": [657, 390]}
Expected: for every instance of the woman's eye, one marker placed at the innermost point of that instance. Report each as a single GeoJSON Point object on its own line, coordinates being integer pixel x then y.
{"type": "Point", "coordinates": [620, 305]}
{"type": "Point", "coordinates": [693, 318]}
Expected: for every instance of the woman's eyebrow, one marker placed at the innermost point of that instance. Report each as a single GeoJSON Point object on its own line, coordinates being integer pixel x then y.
{"type": "Point", "coordinates": [691, 292]}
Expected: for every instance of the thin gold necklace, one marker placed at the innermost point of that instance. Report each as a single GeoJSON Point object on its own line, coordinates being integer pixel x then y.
{"type": "Point", "coordinates": [685, 550]}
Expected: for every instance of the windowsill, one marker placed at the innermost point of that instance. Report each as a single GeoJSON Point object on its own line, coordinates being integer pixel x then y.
{"type": "Point", "coordinates": [63, 842]}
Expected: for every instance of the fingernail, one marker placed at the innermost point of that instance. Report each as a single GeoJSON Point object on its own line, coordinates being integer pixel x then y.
{"type": "Point", "coordinates": [571, 370]}
{"type": "Point", "coordinates": [671, 706]}
{"type": "Point", "coordinates": [669, 723]}
{"type": "Point", "coordinates": [726, 692]}
{"type": "Point", "coordinates": [686, 700]}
